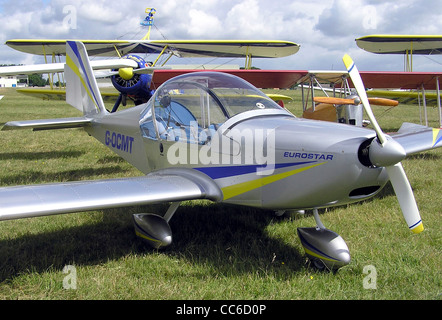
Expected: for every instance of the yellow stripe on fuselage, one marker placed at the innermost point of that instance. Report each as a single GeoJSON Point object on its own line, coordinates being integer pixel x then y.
{"type": "Point", "coordinates": [237, 189]}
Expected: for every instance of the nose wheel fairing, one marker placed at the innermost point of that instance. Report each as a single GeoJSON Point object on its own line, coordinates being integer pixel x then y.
{"type": "Point", "coordinates": [325, 248]}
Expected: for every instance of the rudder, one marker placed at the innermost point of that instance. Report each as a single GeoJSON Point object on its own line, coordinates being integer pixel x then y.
{"type": "Point", "coordinates": [81, 86]}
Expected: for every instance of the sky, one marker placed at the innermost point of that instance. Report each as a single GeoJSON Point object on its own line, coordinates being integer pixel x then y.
{"type": "Point", "coordinates": [325, 30]}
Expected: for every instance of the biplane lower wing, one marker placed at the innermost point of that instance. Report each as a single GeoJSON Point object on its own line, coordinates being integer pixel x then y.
{"type": "Point", "coordinates": [163, 186]}
{"type": "Point", "coordinates": [59, 67]}
{"type": "Point", "coordinates": [181, 48]}
{"type": "Point", "coordinates": [60, 94]}
{"type": "Point", "coordinates": [282, 79]}
{"type": "Point", "coordinates": [377, 79]}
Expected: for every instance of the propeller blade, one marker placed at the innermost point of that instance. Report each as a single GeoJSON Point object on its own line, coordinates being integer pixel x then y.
{"type": "Point", "coordinates": [332, 100]}
{"type": "Point", "coordinates": [383, 102]}
{"type": "Point", "coordinates": [386, 155]}
{"type": "Point", "coordinates": [150, 70]}
{"type": "Point", "coordinates": [342, 101]}
{"type": "Point", "coordinates": [360, 88]}
{"type": "Point", "coordinates": [405, 196]}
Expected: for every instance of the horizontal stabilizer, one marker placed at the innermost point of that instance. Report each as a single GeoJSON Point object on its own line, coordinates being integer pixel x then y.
{"type": "Point", "coordinates": [416, 138]}
{"type": "Point", "coordinates": [47, 124]}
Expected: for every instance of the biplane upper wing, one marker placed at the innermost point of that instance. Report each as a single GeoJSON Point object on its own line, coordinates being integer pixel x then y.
{"type": "Point", "coordinates": [181, 48]}
{"type": "Point", "coordinates": [401, 44]}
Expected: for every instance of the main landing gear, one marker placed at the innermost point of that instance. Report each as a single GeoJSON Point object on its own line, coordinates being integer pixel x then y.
{"type": "Point", "coordinates": [325, 248]}
{"type": "Point", "coordinates": [154, 229]}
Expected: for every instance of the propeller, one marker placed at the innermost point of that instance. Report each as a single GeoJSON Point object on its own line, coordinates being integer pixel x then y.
{"type": "Point", "coordinates": [332, 100]}
{"type": "Point", "coordinates": [340, 101]}
{"type": "Point", "coordinates": [386, 152]}
{"type": "Point", "coordinates": [383, 102]}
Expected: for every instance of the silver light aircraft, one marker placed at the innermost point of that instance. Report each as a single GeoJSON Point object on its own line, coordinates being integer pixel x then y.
{"type": "Point", "coordinates": [211, 135]}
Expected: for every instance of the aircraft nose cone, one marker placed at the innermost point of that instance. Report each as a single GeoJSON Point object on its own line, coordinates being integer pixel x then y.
{"type": "Point", "coordinates": [126, 73]}
{"type": "Point", "coordinates": [386, 155]}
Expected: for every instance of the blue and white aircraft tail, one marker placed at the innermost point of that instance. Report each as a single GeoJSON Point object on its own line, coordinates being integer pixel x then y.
{"type": "Point", "coordinates": [81, 86]}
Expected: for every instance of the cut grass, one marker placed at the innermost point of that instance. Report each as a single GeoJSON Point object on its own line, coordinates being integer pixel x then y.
{"type": "Point", "coordinates": [219, 251]}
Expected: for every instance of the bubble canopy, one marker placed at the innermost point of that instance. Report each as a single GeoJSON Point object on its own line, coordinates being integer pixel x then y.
{"type": "Point", "coordinates": [199, 101]}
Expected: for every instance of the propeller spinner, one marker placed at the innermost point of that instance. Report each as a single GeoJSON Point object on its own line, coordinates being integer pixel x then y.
{"type": "Point", "coordinates": [131, 82]}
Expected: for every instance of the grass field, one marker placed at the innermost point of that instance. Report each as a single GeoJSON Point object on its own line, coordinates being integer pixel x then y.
{"type": "Point", "coordinates": [219, 251]}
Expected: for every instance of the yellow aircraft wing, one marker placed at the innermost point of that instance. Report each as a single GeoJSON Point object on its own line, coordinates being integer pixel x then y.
{"type": "Point", "coordinates": [401, 44]}
{"type": "Point", "coordinates": [60, 94]}
{"type": "Point", "coordinates": [181, 48]}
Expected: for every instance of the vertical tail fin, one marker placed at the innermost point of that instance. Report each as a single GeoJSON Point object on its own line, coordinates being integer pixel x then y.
{"type": "Point", "coordinates": [81, 86]}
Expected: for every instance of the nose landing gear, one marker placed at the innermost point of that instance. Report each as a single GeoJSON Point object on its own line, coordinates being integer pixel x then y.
{"type": "Point", "coordinates": [325, 248]}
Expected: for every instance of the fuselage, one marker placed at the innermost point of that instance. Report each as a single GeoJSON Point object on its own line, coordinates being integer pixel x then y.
{"type": "Point", "coordinates": [262, 157]}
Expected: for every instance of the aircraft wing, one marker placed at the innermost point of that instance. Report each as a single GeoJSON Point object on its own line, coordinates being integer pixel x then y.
{"type": "Point", "coordinates": [401, 44]}
{"type": "Point", "coordinates": [59, 67]}
{"type": "Point", "coordinates": [48, 124]}
{"type": "Point", "coordinates": [168, 185]}
{"type": "Point", "coordinates": [377, 79]}
{"type": "Point", "coordinates": [60, 94]}
{"type": "Point", "coordinates": [416, 138]}
{"type": "Point", "coordinates": [259, 78]}
{"type": "Point", "coordinates": [181, 48]}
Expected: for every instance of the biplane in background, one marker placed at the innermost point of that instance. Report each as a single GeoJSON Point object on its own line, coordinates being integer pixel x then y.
{"type": "Point", "coordinates": [133, 79]}
{"type": "Point", "coordinates": [409, 86]}
{"type": "Point", "coordinates": [337, 84]}
{"type": "Point", "coordinates": [212, 135]}
{"type": "Point", "coordinates": [407, 45]}
{"type": "Point", "coordinates": [131, 74]}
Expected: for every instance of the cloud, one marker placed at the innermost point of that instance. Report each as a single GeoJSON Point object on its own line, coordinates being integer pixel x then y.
{"type": "Point", "coordinates": [247, 20]}
{"type": "Point", "coordinates": [203, 24]}
{"type": "Point", "coordinates": [325, 30]}
{"type": "Point", "coordinates": [346, 17]}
